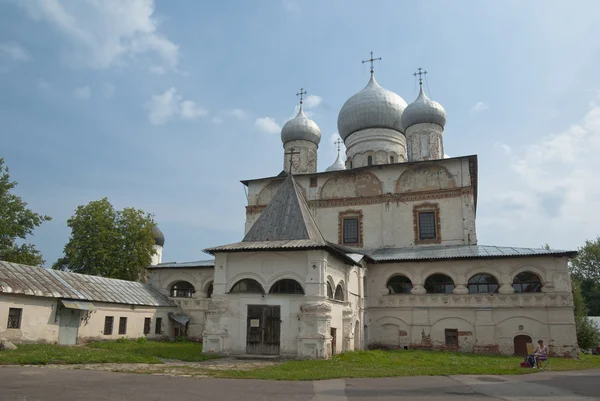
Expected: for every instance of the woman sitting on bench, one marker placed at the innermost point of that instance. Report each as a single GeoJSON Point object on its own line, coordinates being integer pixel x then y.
{"type": "Point", "coordinates": [541, 353]}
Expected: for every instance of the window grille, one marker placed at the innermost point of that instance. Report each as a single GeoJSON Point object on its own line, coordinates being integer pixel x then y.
{"type": "Point", "coordinates": [451, 337]}
{"type": "Point", "coordinates": [158, 328]}
{"type": "Point", "coordinates": [147, 323]}
{"type": "Point", "coordinates": [14, 318]}
{"type": "Point", "coordinates": [122, 325]}
{"type": "Point", "coordinates": [108, 325]}
{"type": "Point", "coordinates": [427, 225]}
{"type": "Point", "coordinates": [351, 230]}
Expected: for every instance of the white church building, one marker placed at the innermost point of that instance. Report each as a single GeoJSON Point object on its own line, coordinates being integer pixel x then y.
{"type": "Point", "coordinates": [378, 251]}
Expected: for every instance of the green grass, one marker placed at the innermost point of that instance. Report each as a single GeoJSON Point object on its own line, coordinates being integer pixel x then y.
{"type": "Point", "coordinates": [402, 363]}
{"type": "Point", "coordinates": [104, 352]}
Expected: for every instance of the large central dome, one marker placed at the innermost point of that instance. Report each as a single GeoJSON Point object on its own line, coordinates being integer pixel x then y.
{"type": "Point", "coordinates": [372, 107]}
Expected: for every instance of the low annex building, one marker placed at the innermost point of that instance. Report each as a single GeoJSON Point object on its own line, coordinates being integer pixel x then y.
{"type": "Point", "coordinates": [41, 305]}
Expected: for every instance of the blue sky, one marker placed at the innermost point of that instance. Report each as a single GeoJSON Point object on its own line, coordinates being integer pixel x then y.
{"type": "Point", "coordinates": [166, 105]}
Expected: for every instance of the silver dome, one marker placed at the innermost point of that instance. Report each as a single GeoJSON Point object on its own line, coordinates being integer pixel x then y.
{"type": "Point", "coordinates": [338, 164]}
{"type": "Point", "coordinates": [372, 107]}
{"type": "Point", "coordinates": [301, 128]}
{"type": "Point", "coordinates": [424, 110]}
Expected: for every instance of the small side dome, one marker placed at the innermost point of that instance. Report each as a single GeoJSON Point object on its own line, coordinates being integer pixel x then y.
{"type": "Point", "coordinates": [337, 165]}
{"type": "Point", "coordinates": [301, 128]}
{"type": "Point", "coordinates": [372, 107]}
{"type": "Point", "coordinates": [424, 110]}
{"type": "Point", "coordinates": [159, 238]}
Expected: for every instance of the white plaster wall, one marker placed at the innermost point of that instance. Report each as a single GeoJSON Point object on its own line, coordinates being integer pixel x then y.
{"type": "Point", "coordinates": [303, 162]}
{"type": "Point", "coordinates": [424, 142]}
{"type": "Point", "coordinates": [379, 143]}
{"type": "Point", "coordinates": [37, 320]}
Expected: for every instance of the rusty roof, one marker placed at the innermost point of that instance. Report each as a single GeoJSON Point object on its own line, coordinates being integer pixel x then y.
{"type": "Point", "coordinates": [37, 281]}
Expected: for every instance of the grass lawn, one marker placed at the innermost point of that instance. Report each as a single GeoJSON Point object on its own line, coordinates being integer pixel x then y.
{"type": "Point", "coordinates": [104, 352]}
{"type": "Point", "coordinates": [402, 363]}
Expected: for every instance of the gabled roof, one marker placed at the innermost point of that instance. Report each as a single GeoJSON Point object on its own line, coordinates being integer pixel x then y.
{"type": "Point", "coordinates": [40, 282]}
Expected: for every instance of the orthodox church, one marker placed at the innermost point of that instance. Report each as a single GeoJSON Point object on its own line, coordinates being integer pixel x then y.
{"type": "Point", "coordinates": [379, 250]}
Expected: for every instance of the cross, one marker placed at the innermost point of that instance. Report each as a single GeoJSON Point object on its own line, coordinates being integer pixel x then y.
{"type": "Point", "coordinates": [371, 60]}
{"type": "Point", "coordinates": [338, 142]}
{"type": "Point", "coordinates": [301, 94]}
{"type": "Point", "coordinates": [420, 72]}
{"type": "Point", "coordinates": [292, 152]}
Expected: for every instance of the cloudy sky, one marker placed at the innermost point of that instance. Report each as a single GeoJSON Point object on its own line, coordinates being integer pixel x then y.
{"type": "Point", "coordinates": [166, 105]}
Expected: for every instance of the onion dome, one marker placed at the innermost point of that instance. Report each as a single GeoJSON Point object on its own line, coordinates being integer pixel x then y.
{"type": "Point", "coordinates": [372, 107]}
{"type": "Point", "coordinates": [301, 128]}
{"type": "Point", "coordinates": [159, 238]}
{"type": "Point", "coordinates": [424, 110]}
{"type": "Point", "coordinates": [338, 164]}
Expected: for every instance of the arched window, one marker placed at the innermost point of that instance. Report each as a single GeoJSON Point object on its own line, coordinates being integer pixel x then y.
{"type": "Point", "coordinates": [391, 159]}
{"type": "Point", "coordinates": [209, 290]}
{"type": "Point", "coordinates": [439, 284]}
{"type": "Point", "coordinates": [286, 286]}
{"type": "Point", "coordinates": [483, 284]}
{"type": "Point", "coordinates": [399, 285]}
{"type": "Point", "coordinates": [247, 285]}
{"type": "Point", "coordinates": [527, 282]}
{"type": "Point", "coordinates": [339, 293]}
{"type": "Point", "coordinates": [369, 160]}
{"type": "Point", "coordinates": [329, 290]}
{"type": "Point", "coordinates": [182, 289]}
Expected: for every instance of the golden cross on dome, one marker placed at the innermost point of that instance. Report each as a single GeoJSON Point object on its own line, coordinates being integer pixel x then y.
{"type": "Point", "coordinates": [421, 73]}
{"type": "Point", "coordinates": [371, 61]}
{"type": "Point", "coordinates": [301, 94]}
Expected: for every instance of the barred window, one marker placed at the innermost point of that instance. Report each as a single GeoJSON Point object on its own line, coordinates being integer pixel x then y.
{"type": "Point", "coordinates": [439, 284]}
{"type": "Point", "coordinates": [122, 325]}
{"type": "Point", "coordinates": [182, 289]}
{"type": "Point", "coordinates": [286, 286]}
{"type": "Point", "coordinates": [158, 328]}
{"type": "Point", "coordinates": [527, 282]}
{"type": "Point", "coordinates": [451, 337]}
{"type": "Point", "coordinates": [483, 284]}
{"type": "Point", "coordinates": [427, 225]}
{"type": "Point", "coordinates": [108, 325]}
{"type": "Point", "coordinates": [351, 231]}
{"type": "Point", "coordinates": [14, 318]}
{"type": "Point", "coordinates": [147, 323]}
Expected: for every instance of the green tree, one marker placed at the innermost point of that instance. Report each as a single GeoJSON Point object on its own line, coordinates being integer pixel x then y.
{"type": "Point", "coordinates": [588, 334]}
{"type": "Point", "coordinates": [108, 242]}
{"type": "Point", "coordinates": [16, 223]}
{"type": "Point", "coordinates": [585, 267]}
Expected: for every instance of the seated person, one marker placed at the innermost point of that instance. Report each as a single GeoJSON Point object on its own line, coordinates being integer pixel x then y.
{"type": "Point", "coordinates": [541, 353]}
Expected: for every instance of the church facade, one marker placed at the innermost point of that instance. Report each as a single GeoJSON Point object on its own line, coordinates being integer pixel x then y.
{"type": "Point", "coordinates": [379, 250]}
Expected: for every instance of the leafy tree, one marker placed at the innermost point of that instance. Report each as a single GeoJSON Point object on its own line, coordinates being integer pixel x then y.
{"type": "Point", "coordinates": [588, 334]}
{"type": "Point", "coordinates": [16, 223]}
{"type": "Point", "coordinates": [108, 242]}
{"type": "Point", "coordinates": [585, 267]}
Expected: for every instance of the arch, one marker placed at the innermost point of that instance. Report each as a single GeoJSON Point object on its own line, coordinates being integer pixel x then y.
{"type": "Point", "coordinates": [247, 285]}
{"type": "Point", "coordinates": [208, 289]}
{"type": "Point", "coordinates": [286, 286]}
{"type": "Point", "coordinates": [439, 283]}
{"type": "Point", "coordinates": [287, 275]}
{"type": "Point", "coordinates": [483, 283]}
{"type": "Point", "coordinates": [520, 344]}
{"type": "Point", "coordinates": [537, 270]}
{"type": "Point", "coordinates": [390, 320]}
{"type": "Point", "coordinates": [329, 290]}
{"type": "Point", "coordinates": [182, 289]}
{"type": "Point", "coordinates": [339, 293]}
{"type": "Point", "coordinates": [351, 186]}
{"type": "Point", "coordinates": [451, 318]}
{"type": "Point", "coordinates": [399, 284]}
{"type": "Point", "coordinates": [246, 275]}
{"type": "Point", "coordinates": [527, 282]}
{"type": "Point", "coordinates": [425, 178]}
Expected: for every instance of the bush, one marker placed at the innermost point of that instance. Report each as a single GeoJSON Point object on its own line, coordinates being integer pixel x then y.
{"type": "Point", "coordinates": [141, 340]}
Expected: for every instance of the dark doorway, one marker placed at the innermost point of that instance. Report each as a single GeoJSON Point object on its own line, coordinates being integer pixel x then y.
{"type": "Point", "coordinates": [521, 342]}
{"type": "Point", "coordinates": [333, 342]}
{"type": "Point", "coordinates": [263, 330]}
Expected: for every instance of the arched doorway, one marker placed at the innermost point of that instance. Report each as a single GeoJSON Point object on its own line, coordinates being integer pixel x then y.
{"type": "Point", "coordinates": [520, 344]}
{"type": "Point", "coordinates": [356, 336]}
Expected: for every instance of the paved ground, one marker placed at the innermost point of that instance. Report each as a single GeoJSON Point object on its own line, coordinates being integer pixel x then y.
{"type": "Point", "coordinates": [41, 384]}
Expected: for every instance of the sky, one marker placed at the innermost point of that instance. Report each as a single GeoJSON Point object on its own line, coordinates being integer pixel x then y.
{"type": "Point", "coordinates": [166, 105]}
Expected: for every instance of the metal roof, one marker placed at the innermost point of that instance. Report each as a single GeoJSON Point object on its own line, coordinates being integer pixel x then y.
{"type": "Point", "coordinates": [184, 265]}
{"type": "Point", "coordinates": [460, 252]}
{"type": "Point", "coordinates": [40, 282]}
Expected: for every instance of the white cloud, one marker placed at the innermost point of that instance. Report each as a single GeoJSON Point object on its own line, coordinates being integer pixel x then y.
{"type": "Point", "coordinates": [15, 52]}
{"type": "Point", "coordinates": [108, 90]}
{"type": "Point", "coordinates": [106, 33]}
{"type": "Point", "coordinates": [82, 93]}
{"type": "Point", "coordinates": [267, 124]}
{"type": "Point", "coordinates": [479, 107]}
{"type": "Point", "coordinates": [239, 113]}
{"type": "Point", "coordinates": [549, 192]}
{"type": "Point", "coordinates": [170, 104]}
{"type": "Point", "coordinates": [507, 149]}
{"type": "Point", "coordinates": [312, 101]}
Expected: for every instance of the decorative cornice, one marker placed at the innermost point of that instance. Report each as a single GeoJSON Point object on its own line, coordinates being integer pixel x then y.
{"type": "Point", "coordinates": [379, 199]}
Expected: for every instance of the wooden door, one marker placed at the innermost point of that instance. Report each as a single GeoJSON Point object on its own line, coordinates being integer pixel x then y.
{"type": "Point", "coordinates": [68, 326]}
{"type": "Point", "coordinates": [333, 340]}
{"type": "Point", "coordinates": [263, 330]}
{"type": "Point", "coordinates": [520, 343]}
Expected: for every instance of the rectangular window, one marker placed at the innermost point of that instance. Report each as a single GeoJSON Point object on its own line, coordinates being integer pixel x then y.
{"type": "Point", "coordinates": [14, 318]}
{"type": "Point", "coordinates": [427, 225]}
{"type": "Point", "coordinates": [147, 323]}
{"type": "Point", "coordinates": [451, 337]}
{"type": "Point", "coordinates": [351, 230]}
{"type": "Point", "coordinates": [158, 328]}
{"type": "Point", "coordinates": [314, 182]}
{"type": "Point", "coordinates": [108, 325]}
{"type": "Point", "coordinates": [122, 325]}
